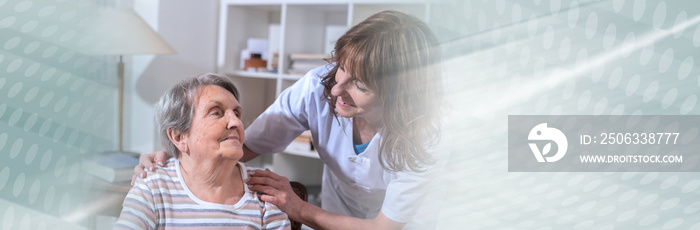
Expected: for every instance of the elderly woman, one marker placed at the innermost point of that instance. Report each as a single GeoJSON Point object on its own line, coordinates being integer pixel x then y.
{"type": "Point", "coordinates": [202, 185]}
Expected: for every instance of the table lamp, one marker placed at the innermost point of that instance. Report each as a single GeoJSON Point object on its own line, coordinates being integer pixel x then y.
{"type": "Point", "coordinates": [120, 31]}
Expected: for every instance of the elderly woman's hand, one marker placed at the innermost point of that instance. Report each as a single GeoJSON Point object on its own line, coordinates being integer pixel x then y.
{"type": "Point", "coordinates": [146, 164]}
{"type": "Point", "coordinates": [277, 190]}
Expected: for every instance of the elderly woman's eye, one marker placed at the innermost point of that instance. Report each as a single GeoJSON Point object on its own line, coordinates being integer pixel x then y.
{"type": "Point", "coordinates": [215, 112]}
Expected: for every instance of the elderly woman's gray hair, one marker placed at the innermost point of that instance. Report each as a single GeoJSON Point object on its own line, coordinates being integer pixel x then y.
{"type": "Point", "coordinates": [176, 107]}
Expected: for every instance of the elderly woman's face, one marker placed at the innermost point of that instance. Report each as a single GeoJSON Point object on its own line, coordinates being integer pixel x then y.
{"type": "Point", "coordinates": [216, 130]}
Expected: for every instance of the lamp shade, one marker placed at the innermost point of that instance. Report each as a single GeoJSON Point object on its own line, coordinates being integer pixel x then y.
{"type": "Point", "coordinates": [120, 31]}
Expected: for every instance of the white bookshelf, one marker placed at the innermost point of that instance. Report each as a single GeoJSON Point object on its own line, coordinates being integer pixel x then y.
{"type": "Point", "coordinates": [302, 29]}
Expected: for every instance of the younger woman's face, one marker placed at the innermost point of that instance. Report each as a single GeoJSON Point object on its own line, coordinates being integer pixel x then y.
{"type": "Point", "coordinates": [354, 98]}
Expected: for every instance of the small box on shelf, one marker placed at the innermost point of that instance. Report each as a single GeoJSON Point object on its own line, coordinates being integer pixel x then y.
{"type": "Point", "coordinates": [256, 55]}
{"type": "Point", "coordinates": [255, 63]}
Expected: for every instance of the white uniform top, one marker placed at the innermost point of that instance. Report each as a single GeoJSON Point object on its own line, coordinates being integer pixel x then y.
{"type": "Point", "coordinates": [353, 184]}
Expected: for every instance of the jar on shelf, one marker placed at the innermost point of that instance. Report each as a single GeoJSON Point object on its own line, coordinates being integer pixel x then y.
{"type": "Point", "coordinates": [255, 63]}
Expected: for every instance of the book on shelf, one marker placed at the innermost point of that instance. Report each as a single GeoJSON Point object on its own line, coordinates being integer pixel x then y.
{"type": "Point", "coordinates": [111, 167]}
{"type": "Point", "coordinates": [302, 142]}
{"type": "Point", "coordinates": [300, 63]}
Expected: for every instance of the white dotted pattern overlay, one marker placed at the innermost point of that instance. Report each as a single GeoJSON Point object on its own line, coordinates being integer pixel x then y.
{"type": "Point", "coordinates": [49, 116]}
{"type": "Point", "coordinates": [619, 57]}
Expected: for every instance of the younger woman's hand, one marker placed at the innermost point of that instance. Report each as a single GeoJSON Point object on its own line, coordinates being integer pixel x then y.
{"type": "Point", "coordinates": [277, 190]}
{"type": "Point", "coordinates": [146, 164]}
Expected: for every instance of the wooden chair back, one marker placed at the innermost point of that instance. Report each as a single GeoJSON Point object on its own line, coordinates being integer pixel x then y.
{"type": "Point", "coordinates": [300, 190]}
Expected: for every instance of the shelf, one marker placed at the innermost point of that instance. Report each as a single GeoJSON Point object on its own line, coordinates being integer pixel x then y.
{"type": "Point", "coordinates": [302, 166]}
{"type": "Point", "coordinates": [265, 75]}
{"type": "Point", "coordinates": [310, 154]}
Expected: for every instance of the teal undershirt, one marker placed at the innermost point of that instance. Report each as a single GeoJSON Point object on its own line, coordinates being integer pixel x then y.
{"type": "Point", "coordinates": [361, 147]}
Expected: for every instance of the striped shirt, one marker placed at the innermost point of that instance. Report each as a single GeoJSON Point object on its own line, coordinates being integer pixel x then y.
{"type": "Point", "coordinates": [163, 201]}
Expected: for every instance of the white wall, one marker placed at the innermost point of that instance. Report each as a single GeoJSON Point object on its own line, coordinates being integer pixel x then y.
{"type": "Point", "coordinates": [190, 27]}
